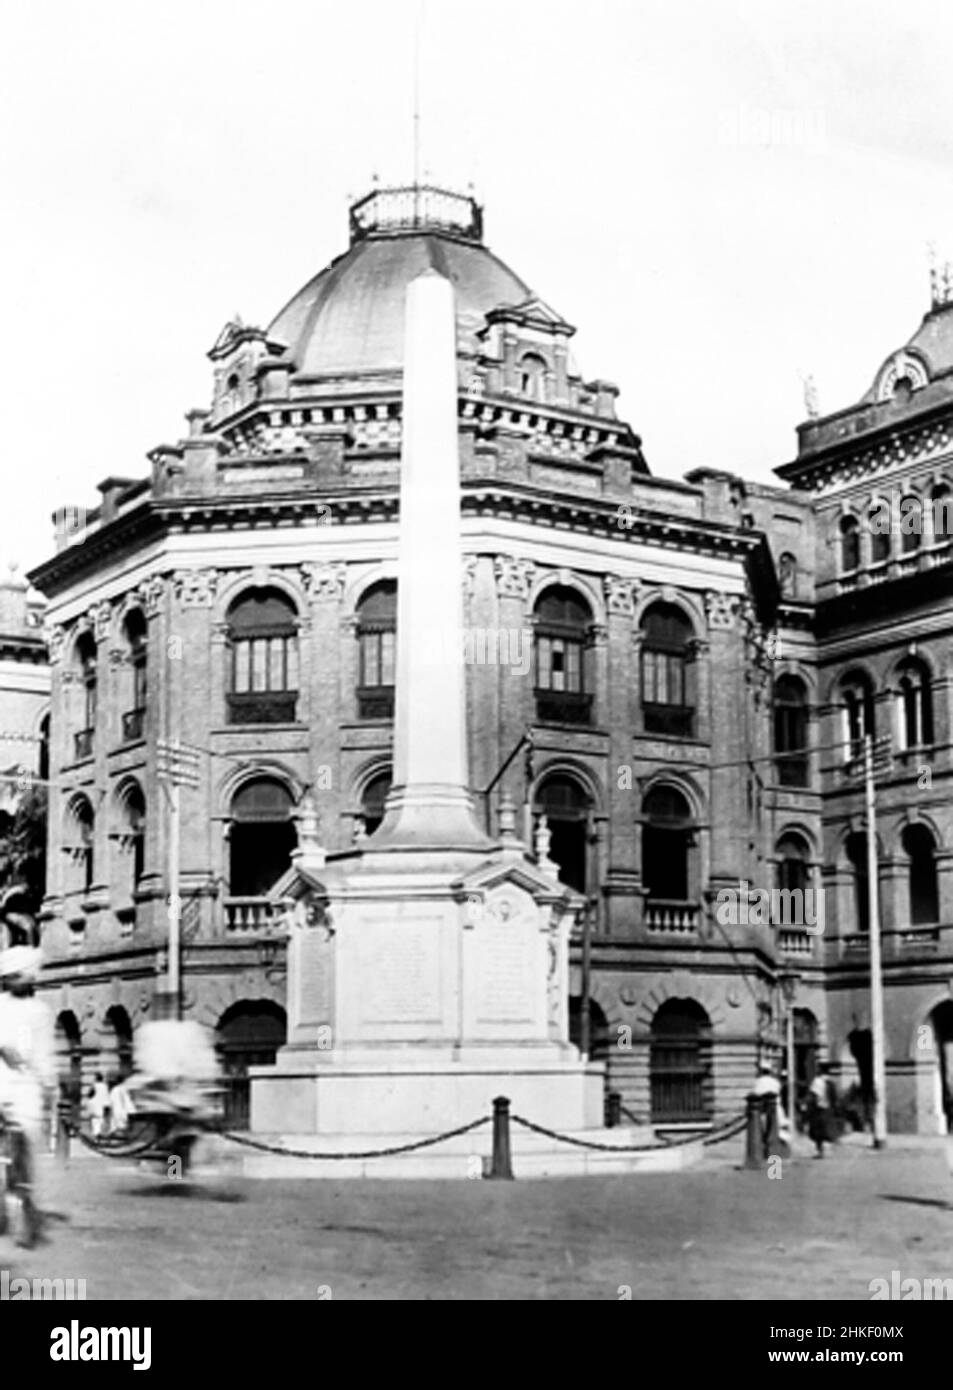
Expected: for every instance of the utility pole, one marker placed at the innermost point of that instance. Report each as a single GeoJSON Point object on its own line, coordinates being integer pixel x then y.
{"type": "Point", "coordinates": [876, 976]}
{"type": "Point", "coordinates": [178, 766]}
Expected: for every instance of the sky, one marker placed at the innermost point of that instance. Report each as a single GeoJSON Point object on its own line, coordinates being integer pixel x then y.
{"type": "Point", "coordinates": [722, 197]}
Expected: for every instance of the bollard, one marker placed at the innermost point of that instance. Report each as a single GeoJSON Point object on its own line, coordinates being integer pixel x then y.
{"type": "Point", "coordinates": [501, 1165]}
{"type": "Point", "coordinates": [613, 1110]}
{"type": "Point", "coordinates": [754, 1147]}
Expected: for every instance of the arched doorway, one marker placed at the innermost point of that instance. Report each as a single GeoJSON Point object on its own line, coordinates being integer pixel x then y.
{"type": "Point", "coordinates": [117, 1064]}
{"type": "Point", "coordinates": [69, 1062]}
{"type": "Point", "coordinates": [248, 1034]}
{"type": "Point", "coordinates": [680, 1063]}
{"type": "Point", "coordinates": [861, 1102]}
{"type": "Point", "coordinates": [941, 1020]}
{"type": "Point", "coordinates": [566, 806]}
{"type": "Point", "coordinates": [805, 1054]}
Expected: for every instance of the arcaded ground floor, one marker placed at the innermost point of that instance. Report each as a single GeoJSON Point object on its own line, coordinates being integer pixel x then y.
{"type": "Point", "coordinates": [816, 1230]}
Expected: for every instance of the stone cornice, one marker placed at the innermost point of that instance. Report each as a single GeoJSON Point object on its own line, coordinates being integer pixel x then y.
{"type": "Point", "coordinates": [893, 444]}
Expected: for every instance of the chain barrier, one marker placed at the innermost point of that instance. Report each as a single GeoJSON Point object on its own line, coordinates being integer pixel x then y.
{"type": "Point", "coordinates": [735, 1126]}
{"type": "Point", "coordinates": [365, 1153]}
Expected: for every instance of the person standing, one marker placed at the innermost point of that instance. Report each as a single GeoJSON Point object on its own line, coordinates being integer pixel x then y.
{"type": "Point", "coordinates": [768, 1085]}
{"type": "Point", "coordinates": [27, 1072]}
{"type": "Point", "coordinates": [119, 1107]}
{"type": "Point", "coordinates": [822, 1102]}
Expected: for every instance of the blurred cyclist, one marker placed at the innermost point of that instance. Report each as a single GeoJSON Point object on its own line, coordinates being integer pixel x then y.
{"type": "Point", "coordinates": [27, 1072]}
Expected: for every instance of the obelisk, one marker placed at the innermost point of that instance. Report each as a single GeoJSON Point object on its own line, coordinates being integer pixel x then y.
{"type": "Point", "coordinates": [429, 806]}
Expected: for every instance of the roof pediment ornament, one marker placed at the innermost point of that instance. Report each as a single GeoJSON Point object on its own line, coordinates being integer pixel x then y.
{"type": "Point", "coordinates": [903, 366]}
{"type": "Point", "coordinates": [532, 312]}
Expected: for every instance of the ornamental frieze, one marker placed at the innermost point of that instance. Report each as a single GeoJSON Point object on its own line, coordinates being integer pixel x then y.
{"type": "Point", "coordinates": [150, 594]}
{"type": "Point", "coordinates": [721, 610]}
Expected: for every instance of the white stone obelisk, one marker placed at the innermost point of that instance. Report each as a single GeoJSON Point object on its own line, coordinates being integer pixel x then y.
{"type": "Point", "coordinates": [429, 806]}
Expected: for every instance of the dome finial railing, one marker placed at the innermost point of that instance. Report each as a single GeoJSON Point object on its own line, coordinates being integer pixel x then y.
{"type": "Point", "coordinates": [415, 208]}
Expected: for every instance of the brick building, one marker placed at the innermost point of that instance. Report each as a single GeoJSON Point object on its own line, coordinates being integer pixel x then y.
{"type": "Point", "coordinates": [643, 653]}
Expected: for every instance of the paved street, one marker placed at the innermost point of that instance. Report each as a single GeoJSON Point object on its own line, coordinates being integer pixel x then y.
{"type": "Point", "coordinates": [822, 1231]}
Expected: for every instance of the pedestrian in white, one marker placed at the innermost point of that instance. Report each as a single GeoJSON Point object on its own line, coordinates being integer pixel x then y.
{"type": "Point", "coordinates": [119, 1107]}
{"type": "Point", "coordinates": [27, 1066]}
{"type": "Point", "coordinates": [98, 1106]}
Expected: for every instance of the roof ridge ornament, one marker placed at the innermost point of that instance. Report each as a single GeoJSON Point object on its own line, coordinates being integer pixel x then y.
{"type": "Point", "coordinates": [941, 279]}
{"type": "Point", "coordinates": [416, 207]}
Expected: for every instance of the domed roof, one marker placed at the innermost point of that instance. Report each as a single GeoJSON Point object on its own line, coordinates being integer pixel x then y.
{"type": "Point", "coordinates": [350, 318]}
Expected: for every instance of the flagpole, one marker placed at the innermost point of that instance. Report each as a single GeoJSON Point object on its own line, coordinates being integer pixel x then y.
{"type": "Point", "coordinates": [876, 976]}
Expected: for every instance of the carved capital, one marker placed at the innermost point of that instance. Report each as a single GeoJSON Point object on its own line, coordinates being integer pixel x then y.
{"type": "Point", "coordinates": [323, 580]}
{"type": "Point", "coordinates": [721, 610]}
{"type": "Point", "coordinates": [100, 617]}
{"type": "Point", "coordinates": [150, 593]}
{"type": "Point", "coordinates": [55, 636]}
{"type": "Point", "coordinates": [621, 594]}
{"type": "Point", "coordinates": [513, 576]}
{"type": "Point", "coordinates": [195, 588]}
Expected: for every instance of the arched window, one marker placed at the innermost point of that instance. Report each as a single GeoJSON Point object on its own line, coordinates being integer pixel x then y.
{"type": "Point", "coordinates": [667, 697]}
{"type": "Point", "coordinates": [566, 806]}
{"type": "Point", "coordinates": [857, 704]}
{"type": "Point", "coordinates": [130, 841]}
{"type": "Point", "coordinates": [857, 859]}
{"type": "Point", "coordinates": [668, 872]}
{"type": "Point", "coordinates": [118, 1065]}
{"type": "Point", "coordinates": [849, 544]}
{"type": "Point", "coordinates": [787, 575]}
{"type": "Point", "coordinates": [79, 841]}
{"type": "Point", "coordinates": [911, 523]}
{"type": "Point", "coordinates": [680, 1063]}
{"type": "Point", "coordinates": [924, 898]}
{"type": "Point", "coordinates": [43, 757]}
{"type": "Point", "coordinates": [878, 527]}
{"type": "Point", "coordinates": [533, 376]}
{"type": "Point", "coordinates": [790, 731]}
{"type": "Point", "coordinates": [793, 868]}
{"type": "Point", "coordinates": [262, 836]}
{"type": "Point", "coordinates": [563, 623]}
{"type": "Point", "coordinates": [134, 632]}
{"type": "Point", "coordinates": [84, 672]}
{"type": "Point", "coordinates": [372, 801]}
{"type": "Point", "coordinates": [915, 704]}
{"type": "Point", "coordinates": [941, 514]}
{"type": "Point", "coordinates": [263, 665]}
{"type": "Point", "coordinates": [377, 655]}
{"type": "Point", "coordinates": [69, 1061]}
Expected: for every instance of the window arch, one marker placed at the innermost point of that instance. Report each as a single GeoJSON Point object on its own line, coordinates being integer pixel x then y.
{"type": "Point", "coordinates": [680, 1063]}
{"type": "Point", "coordinates": [377, 650]}
{"type": "Point", "coordinates": [941, 513]}
{"type": "Point", "coordinates": [372, 800]}
{"type": "Point", "coordinates": [563, 627]}
{"type": "Point", "coordinates": [787, 575]}
{"type": "Point", "coordinates": [261, 837]}
{"type": "Point", "coordinates": [856, 849]}
{"type": "Point", "coordinates": [134, 670]}
{"type": "Point", "coordinates": [86, 677]}
{"type": "Point", "coordinates": [849, 544]}
{"type": "Point", "coordinates": [857, 706]}
{"type": "Point", "coordinates": [667, 648]}
{"type": "Point", "coordinates": [790, 731]}
{"type": "Point", "coordinates": [248, 1034]}
{"type": "Point", "coordinates": [566, 805]}
{"type": "Point", "coordinates": [79, 843]}
{"type": "Point", "coordinates": [911, 523]}
{"type": "Point", "coordinates": [878, 528]}
{"type": "Point", "coordinates": [669, 871]}
{"type": "Point", "coordinates": [263, 658]}
{"type": "Point", "coordinates": [924, 897]}
{"type": "Point", "coordinates": [130, 838]}
{"type": "Point", "coordinates": [915, 701]}
{"type": "Point", "coordinates": [533, 376]}
{"type": "Point", "coordinates": [793, 870]}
